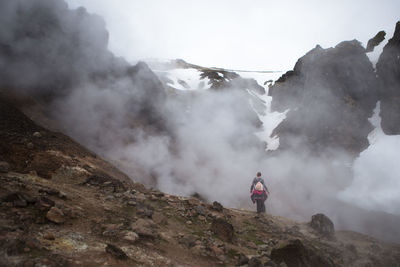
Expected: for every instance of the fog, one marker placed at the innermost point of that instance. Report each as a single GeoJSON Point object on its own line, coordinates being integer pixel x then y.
{"type": "Point", "coordinates": [185, 143]}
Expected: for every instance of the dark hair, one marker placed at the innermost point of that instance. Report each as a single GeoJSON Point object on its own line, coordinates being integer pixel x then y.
{"type": "Point", "coordinates": [258, 174]}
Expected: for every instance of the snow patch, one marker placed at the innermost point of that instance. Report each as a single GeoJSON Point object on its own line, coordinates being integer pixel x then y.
{"type": "Point", "coordinates": [186, 79]}
{"type": "Point", "coordinates": [269, 119]}
{"type": "Point", "coordinates": [261, 77]}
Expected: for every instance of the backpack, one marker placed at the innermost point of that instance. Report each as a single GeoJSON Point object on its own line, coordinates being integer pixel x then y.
{"type": "Point", "coordinates": [259, 186]}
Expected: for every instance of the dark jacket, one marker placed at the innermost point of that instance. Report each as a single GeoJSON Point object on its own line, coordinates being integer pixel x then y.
{"type": "Point", "coordinates": [255, 181]}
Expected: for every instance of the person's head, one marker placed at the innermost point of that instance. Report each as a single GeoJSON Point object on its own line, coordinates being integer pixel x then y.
{"type": "Point", "coordinates": [258, 174]}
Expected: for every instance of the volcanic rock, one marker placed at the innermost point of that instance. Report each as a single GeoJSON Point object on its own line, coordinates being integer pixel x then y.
{"type": "Point", "coordinates": [217, 206]}
{"type": "Point", "coordinates": [254, 262]}
{"type": "Point", "coordinates": [330, 95]}
{"type": "Point", "coordinates": [323, 225]}
{"type": "Point", "coordinates": [242, 260]}
{"type": "Point", "coordinates": [116, 252]}
{"type": "Point", "coordinates": [131, 237]}
{"type": "Point", "coordinates": [388, 70]}
{"type": "Point", "coordinates": [19, 199]}
{"type": "Point", "coordinates": [144, 228]}
{"type": "Point", "coordinates": [223, 229]}
{"type": "Point", "coordinates": [56, 215]}
{"type": "Point", "coordinates": [296, 254]}
{"type": "Point", "coordinates": [4, 167]}
{"type": "Point", "coordinates": [375, 41]}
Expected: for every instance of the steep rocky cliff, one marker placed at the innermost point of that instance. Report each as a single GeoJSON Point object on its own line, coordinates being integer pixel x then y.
{"type": "Point", "coordinates": [330, 95]}
{"type": "Point", "coordinates": [388, 70]}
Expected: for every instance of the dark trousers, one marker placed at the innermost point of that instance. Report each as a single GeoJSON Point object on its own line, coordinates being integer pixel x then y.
{"type": "Point", "coordinates": [260, 205]}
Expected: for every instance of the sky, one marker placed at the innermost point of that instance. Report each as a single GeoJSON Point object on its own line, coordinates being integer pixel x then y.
{"type": "Point", "coordinates": [238, 34]}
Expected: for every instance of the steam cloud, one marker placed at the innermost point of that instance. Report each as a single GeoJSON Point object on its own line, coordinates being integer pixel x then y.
{"type": "Point", "coordinates": [183, 144]}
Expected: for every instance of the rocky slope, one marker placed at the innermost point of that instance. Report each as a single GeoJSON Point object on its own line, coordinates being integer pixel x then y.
{"type": "Point", "coordinates": [61, 205]}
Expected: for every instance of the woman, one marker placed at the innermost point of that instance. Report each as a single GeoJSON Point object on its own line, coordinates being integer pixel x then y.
{"type": "Point", "coordinates": [258, 192]}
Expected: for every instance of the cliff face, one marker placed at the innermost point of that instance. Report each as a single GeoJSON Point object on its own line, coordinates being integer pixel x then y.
{"type": "Point", "coordinates": [330, 95]}
{"type": "Point", "coordinates": [388, 70]}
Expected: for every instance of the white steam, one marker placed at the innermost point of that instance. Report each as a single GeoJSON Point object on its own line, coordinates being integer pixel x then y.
{"type": "Point", "coordinates": [376, 184]}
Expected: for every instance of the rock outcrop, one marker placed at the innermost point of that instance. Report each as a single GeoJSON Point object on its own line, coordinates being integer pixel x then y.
{"type": "Point", "coordinates": [375, 41]}
{"type": "Point", "coordinates": [388, 70]}
{"type": "Point", "coordinates": [330, 95]}
{"type": "Point", "coordinates": [323, 225]}
{"type": "Point", "coordinates": [296, 254]}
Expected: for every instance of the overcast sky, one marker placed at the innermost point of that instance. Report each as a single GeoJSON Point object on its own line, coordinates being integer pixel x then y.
{"type": "Point", "coordinates": [245, 34]}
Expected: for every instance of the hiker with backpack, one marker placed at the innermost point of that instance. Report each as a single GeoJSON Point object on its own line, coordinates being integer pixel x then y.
{"type": "Point", "coordinates": [259, 192]}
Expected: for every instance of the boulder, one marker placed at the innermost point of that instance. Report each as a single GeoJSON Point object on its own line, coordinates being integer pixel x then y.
{"type": "Point", "coordinates": [130, 237]}
{"type": "Point", "coordinates": [323, 225]}
{"type": "Point", "coordinates": [4, 167]}
{"type": "Point", "coordinates": [144, 210]}
{"type": "Point", "coordinates": [295, 254]}
{"type": "Point", "coordinates": [144, 228]}
{"type": "Point", "coordinates": [188, 240]}
{"type": "Point", "coordinates": [200, 210]}
{"type": "Point", "coordinates": [242, 260]}
{"type": "Point", "coordinates": [56, 215]}
{"type": "Point", "coordinates": [44, 203]}
{"type": "Point", "coordinates": [19, 199]}
{"type": "Point", "coordinates": [37, 134]}
{"type": "Point", "coordinates": [222, 229]}
{"type": "Point", "coordinates": [217, 206]}
{"type": "Point", "coordinates": [116, 252]}
{"type": "Point", "coordinates": [49, 236]}
{"type": "Point", "coordinates": [217, 251]}
{"type": "Point", "coordinates": [254, 262]}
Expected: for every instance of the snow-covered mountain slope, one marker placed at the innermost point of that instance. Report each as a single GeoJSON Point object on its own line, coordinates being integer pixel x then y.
{"type": "Point", "coordinates": [178, 75]}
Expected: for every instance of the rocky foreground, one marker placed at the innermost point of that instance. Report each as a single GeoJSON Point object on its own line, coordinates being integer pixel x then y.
{"type": "Point", "coordinates": [61, 205]}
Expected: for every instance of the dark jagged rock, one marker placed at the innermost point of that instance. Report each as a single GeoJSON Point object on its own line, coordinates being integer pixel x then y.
{"type": "Point", "coordinates": [4, 167]}
{"type": "Point", "coordinates": [296, 254]}
{"type": "Point", "coordinates": [217, 206]}
{"type": "Point", "coordinates": [375, 41]}
{"type": "Point", "coordinates": [19, 199]}
{"type": "Point", "coordinates": [388, 70]}
{"type": "Point", "coordinates": [55, 215]}
{"type": "Point", "coordinates": [323, 225]}
{"type": "Point", "coordinates": [254, 262]}
{"type": "Point", "coordinates": [116, 252]}
{"type": "Point", "coordinates": [242, 260]}
{"type": "Point", "coordinates": [105, 181]}
{"type": "Point", "coordinates": [222, 229]}
{"type": "Point", "coordinates": [331, 93]}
